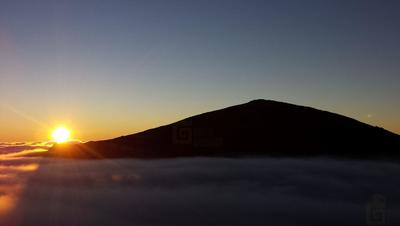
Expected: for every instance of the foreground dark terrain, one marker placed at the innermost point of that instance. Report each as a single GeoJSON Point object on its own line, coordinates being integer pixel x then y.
{"type": "Point", "coordinates": [260, 127]}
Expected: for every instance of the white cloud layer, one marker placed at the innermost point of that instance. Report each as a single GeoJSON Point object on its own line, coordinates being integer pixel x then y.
{"type": "Point", "coordinates": [199, 191]}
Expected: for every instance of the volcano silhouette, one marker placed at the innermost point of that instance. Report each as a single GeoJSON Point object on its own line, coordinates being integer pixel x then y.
{"type": "Point", "coordinates": [260, 127]}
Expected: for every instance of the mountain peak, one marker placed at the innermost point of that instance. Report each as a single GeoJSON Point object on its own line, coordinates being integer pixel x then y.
{"type": "Point", "coordinates": [262, 101]}
{"type": "Point", "coordinates": [259, 127]}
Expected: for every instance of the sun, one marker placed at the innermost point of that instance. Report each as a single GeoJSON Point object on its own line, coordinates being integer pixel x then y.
{"type": "Point", "coordinates": [61, 135]}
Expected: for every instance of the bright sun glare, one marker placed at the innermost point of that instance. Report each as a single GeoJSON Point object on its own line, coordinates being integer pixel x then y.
{"type": "Point", "coordinates": [61, 135]}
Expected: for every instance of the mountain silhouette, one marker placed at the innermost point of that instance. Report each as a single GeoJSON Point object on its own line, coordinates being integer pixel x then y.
{"type": "Point", "coordinates": [259, 127]}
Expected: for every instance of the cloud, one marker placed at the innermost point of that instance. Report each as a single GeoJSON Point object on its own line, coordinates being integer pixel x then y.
{"type": "Point", "coordinates": [205, 191]}
{"type": "Point", "coordinates": [7, 148]}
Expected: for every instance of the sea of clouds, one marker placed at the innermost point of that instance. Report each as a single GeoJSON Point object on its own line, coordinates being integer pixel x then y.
{"type": "Point", "coordinates": [198, 191]}
{"type": "Point", "coordinates": [9, 148]}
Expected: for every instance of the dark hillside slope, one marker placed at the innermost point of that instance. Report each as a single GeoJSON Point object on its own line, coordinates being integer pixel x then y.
{"type": "Point", "coordinates": [260, 127]}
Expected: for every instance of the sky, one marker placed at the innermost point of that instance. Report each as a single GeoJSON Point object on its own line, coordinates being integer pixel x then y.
{"type": "Point", "coordinates": [111, 68]}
